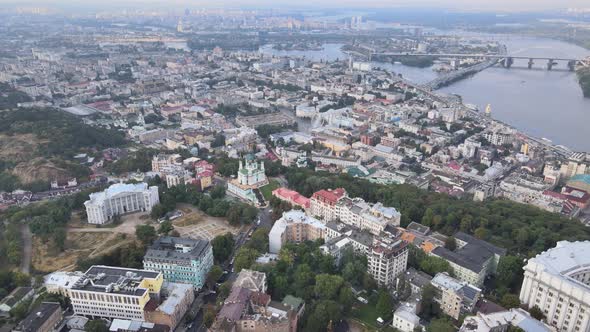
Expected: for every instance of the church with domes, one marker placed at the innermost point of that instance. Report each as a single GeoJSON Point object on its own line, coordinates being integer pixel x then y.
{"type": "Point", "coordinates": [250, 178]}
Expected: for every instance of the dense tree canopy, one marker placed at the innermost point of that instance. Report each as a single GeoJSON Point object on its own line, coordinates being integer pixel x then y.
{"type": "Point", "coordinates": [499, 221]}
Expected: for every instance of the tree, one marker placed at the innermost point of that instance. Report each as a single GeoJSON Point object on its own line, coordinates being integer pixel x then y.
{"type": "Point", "coordinates": [259, 239]}
{"type": "Point", "coordinates": [510, 301]}
{"type": "Point", "coordinates": [441, 325]}
{"type": "Point", "coordinates": [509, 272]}
{"type": "Point", "coordinates": [145, 233]}
{"type": "Point", "coordinates": [537, 313]}
{"type": "Point", "coordinates": [481, 233]}
{"type": "Point", "coordinates": [245, 257]}
{"type": "Point", "coordinates": [214, 274]}
{"type": "Point", "coordinates": [165, 227]}
{"type": "Point", "coordinates": [327, 286]}
{"type": "Point", "coordinates": [158, 211]}
{"type": "Point", "coordinates": [96, 325]}
{"type": "Point", "coordinates": [209, 317]}
{"type": "Point", "coordinates": [451, 243]}
{"type": "Point", "coordinates": [384, 305]}
{"type": "Point", "coordinates": [217, 192]}
{"type": "Point", "coordinates": [223, 246]}
{"type": "Point", "coordinates": [429, 308]}
{"type": "Point", "coordinates": [428, 217]}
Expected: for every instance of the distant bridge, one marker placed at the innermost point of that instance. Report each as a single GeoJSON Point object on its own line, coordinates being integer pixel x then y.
{"type": "Point", "coordinates": [505, 60]}
{"type": "Point", "coordinates": [139, 39]}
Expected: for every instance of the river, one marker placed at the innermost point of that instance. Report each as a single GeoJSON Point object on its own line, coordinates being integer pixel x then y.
{"type": "Point", "coordinates": [542, 103]}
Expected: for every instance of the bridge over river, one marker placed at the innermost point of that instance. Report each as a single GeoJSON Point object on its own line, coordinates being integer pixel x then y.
{"type": "Point", "coordinates": [505, 60]}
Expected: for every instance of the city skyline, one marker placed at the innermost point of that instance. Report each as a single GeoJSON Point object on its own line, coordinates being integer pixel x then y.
{"type": "Point", "coordinates": [456, 5]}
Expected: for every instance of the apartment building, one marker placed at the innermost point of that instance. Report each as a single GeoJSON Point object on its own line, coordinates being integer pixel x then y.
{"type": "Point", "coordinates": [181, 260]}
{"type": "Point", "coordinates": [323, 203]}
{"type": "Point", "coordinates": [387, 259]}
{"type": "Point", "coordinates": [294, 226]}
{"type": "Point", "coordinates": [162, 161]}
{"type": "Point", "coordinates": [331, 205]}
{"type": "Point", "coordinates": [557, 281]}
{"type": "Point", "coordinates": [454, 297]}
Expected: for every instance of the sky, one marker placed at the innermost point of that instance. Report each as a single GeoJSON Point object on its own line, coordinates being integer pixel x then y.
{"type": "Point", "coordinates": [466, 5]}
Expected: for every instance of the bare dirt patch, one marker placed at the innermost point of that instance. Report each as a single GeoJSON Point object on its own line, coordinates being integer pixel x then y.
{"type": "Point", "coordinates": [198, 225]}
{"type": "Point", "coordinates": [47, 259]}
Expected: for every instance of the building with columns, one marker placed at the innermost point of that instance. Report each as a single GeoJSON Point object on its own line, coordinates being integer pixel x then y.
{"type": "Point", "coordinates": [119, 199]}
{"type": "Point", "coordinates": [557, 281]}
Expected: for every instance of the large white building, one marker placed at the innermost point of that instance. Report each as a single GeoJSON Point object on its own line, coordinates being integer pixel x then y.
{"type": "Point", "coordinates": [120, 199]}
{"type": "Point", "coordinates": [557, 281]}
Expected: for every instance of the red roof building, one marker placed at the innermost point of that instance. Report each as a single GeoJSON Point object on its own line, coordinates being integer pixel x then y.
{"type": "Point", "coordinates": [292, 197]}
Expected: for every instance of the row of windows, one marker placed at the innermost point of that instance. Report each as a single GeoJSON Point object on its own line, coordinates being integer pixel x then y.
{"type": "Point", "coordinates": [104, 298]}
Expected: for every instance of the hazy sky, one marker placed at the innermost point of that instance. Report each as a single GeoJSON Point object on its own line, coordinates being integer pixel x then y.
{"type": "Point", "coordinates": [468, 5]}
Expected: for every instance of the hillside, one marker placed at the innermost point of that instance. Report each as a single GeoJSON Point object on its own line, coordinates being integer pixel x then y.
{"type": "Point", "coordinates": [38, 145]}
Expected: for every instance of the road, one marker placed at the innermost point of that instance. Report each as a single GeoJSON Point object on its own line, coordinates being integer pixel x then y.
{"type": "Point", "coordinates": [27, 238]}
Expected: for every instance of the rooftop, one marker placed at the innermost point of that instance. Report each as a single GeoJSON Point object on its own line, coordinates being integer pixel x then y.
{"type": "Point", "coordinates": [117, 189]}
{"type": "Point", "coordinates": [177, 249]}
{"type": "Point", "coordinates": [107, 279]}
{"type": "Point", "coordinates": [330, 195]}
{"type": "Point", "coordinates": [39, 316]}
{"type": "Point", "coordinates": [565, 260]}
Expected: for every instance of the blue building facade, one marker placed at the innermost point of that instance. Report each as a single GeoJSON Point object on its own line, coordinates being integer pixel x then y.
{"type": "Point", "coordinates": [180, 260]}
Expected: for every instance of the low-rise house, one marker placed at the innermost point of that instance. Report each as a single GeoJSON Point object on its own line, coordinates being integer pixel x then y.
{"type": "Point", "coordinates": [16, 297]}
{"type": "Point", "coordinates": [502, 321]}
{"type": "Point", "coordinates": [46, 317]}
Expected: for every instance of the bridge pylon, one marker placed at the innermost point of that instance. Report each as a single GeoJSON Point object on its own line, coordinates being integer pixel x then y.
{"type": "Point", "coordinates": [571, 65]}
{"type": "Point", "coordinates": [531, 63]}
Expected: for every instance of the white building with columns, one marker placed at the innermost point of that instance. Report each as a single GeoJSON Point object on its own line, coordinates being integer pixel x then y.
{"type": "Point", "coordinates": [119, 199]}
{"type": "Point", "coordinates": [557, 281]}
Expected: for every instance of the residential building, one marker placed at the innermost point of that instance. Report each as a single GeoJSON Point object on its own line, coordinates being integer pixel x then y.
{"type": "Point", "coordinates": [249, 309]}
{"type": "Point", "coordinates": [331, 205]}
{"type": "Point", "coordinates": [323, 203]}
{"type": "Point", "coordinates": [572, 168]}
{"type": "Point", "coordinates": [250, 178]}
{"type": "Point", "coordinates": [182, 260]}
{"type": "Point", "coordinates": [120, 199]}
{"type": "Point", "coordinates": [162, 161]}
{"type": "Point", "coordinates": [473, 259]}
{"type": "Point", "coordinates": [250, 279]}
{"type": "Point", "coordinates": [405, 318]}
{"type": "Point", "coordinates": [454, 297]}
{"type": "Point", "coordinates": [502, 321]}
{"type": "Point", "coordinates": [294, 226]}
{"type": "Point", "coordinates": [293, 197]}
{"type": "Point", "coordinates": [178, 300]}
{"type": "Point", "coordinates": [387, 258]}
{"type": "Point", "coordinates": [114, 292]}
{"type": "Point", "coordinates": [365, 216]}
{"type": "Point", "coordinates": [557, 281]}
{"type": "Point", "coordinates": [46, 317]}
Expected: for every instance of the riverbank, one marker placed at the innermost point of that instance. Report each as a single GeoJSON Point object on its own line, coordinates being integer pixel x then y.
{"type": "Point", "coordinates": [584, 80]}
